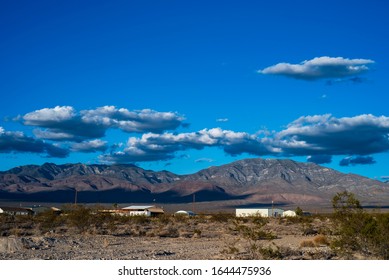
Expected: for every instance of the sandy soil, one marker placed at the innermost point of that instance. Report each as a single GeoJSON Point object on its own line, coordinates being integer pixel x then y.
{"type": "Point", "coordinates": [208, 241]}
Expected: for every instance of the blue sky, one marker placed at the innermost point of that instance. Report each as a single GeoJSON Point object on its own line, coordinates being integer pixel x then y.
{"type": "Point", "coordinates": [183, 85]}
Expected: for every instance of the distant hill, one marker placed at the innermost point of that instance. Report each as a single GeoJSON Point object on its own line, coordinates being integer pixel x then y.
{"type": "Point", "coordinates": [249, 180]}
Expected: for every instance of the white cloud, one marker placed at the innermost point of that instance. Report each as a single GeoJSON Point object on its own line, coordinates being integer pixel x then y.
{"type": "Point", "coordinates": [320, 67]}
{"type": "Point", "coordinates": [318, 137]}
{"type": "Point", "coordinates": [325, 134]}
{"type": "Point", "coordinates": [65, 123]}
{"type": "Point", "coordinates": [153, 146]}
{"type": "Point", "coordinates": [90, 146]}
{"type": "Point", "coordinates": [49, 116]}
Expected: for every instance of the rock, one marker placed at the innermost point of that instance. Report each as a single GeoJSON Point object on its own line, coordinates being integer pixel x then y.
{"type": "Point", "coordinates": [163, 253]}
{"type": "Point", "coordinates": [10, 245]}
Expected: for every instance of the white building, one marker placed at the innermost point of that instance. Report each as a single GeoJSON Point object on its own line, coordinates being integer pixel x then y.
{"type": "Point", "coordinates": [184, 212]}
{"type": "Point", "coordinates": [263, 212]}
{"type": "Point", "coordinates": [142, 210]}
{"type": "Point", "coordinates": [15, 211]}
{"type": "Point", "coordinates": [289, 213]}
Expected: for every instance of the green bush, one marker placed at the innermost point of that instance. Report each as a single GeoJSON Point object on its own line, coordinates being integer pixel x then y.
{"type": "Point", "coordinates": [48, 220]}
{"type": "Point", "coordinates": [357, 230]}
{"type": "Point", "coordinates": [79, 217]}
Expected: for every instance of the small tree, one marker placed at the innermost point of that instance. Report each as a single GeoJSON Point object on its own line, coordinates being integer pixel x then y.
{"type": "Point", "coordinates": [345, 203]}
{"type": "Point", "coordinates": [356, 229]}
{"type": "Point", "coordinates": [299, 211]}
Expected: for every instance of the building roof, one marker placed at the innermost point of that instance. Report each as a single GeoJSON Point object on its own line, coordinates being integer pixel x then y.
{"type": "Point", "coordinates": [14, 209]}
{"type": "Point", "coordinates": [184, 212]}
{"type": "Point", "coordinates": [151, 208]}
{"type": "Point", "coordinates": [258, 209]}
{"type": "Point", "coordinates": [138, 207]}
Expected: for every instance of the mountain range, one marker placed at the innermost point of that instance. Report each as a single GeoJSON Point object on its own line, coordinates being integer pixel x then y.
{"type": "Point", "coordinates": [250, 180]}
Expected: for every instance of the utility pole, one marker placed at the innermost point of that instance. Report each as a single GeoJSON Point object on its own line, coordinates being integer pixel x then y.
{"type": "Point", "coordinates": [193, 203]}
{"type": "Point", "coordinates": [75, 196]}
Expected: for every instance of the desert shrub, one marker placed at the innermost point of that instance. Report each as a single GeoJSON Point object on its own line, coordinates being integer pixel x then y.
{"type": "Point", "coordinates": [169, 231]}
{"type": "Point", "coordinates": [349, 221]}
{"type": "Point", "coordinates": [197, 233]}
{"type": "Point", "coordinates": [308, 229]}
{"type": "Point", "coordinates": [321, 240]}
{"type": "Point", "coordinates": [180, 218]}
{"type": "Point", "coordinates": [358, 231]}
{"type": "Point", "coordinates": [230, 249]}
{"type": "Point", "coordinates": [165, 218]}
{"type": "Point", "coordinates": [307, 243]}
{"type": "Point", "coordinates": [79, 217]}
{"type": "Point", "coordinates": [381, 239]}
{"type": "Point", "coordinates": [102, 220]}
{"type": "Point", "coordinates": [222, 217]}
{"type": "Point", "coordinates": [139, 219]}
{"type": "Point", "coordinates": [291, 220]}
{"type": "Point", "coordinates": [271, 253]}
{"type": "Point", "coordinates": [48, 220]}
{"type": "Point", "coordinates": [16, 231]}
{"type": "Point", "coordinates": [252, 233]}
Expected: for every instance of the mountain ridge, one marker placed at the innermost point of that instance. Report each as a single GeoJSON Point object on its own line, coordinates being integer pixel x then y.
{"type": "Point", "coordinates": [252, 180]}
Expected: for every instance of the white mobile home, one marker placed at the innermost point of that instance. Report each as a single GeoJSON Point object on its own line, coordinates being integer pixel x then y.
{"type": "Point", "coordinates": [147, 210]}
{"type": "Point", "coordinates": [15, 211]}
{"type": "Point", "coordinates": [263, 212]}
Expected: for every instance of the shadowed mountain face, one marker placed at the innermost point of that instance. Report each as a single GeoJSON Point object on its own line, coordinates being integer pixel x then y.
{"type": "Point", "coordinates": [251, 180]}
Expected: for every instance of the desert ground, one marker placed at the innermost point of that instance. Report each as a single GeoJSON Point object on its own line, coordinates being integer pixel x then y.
{"type": "Point", "coordinates": [214, 236]}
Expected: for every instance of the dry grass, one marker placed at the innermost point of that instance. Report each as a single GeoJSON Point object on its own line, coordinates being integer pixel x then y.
{"type": "Point", "coordinates": [307, 243]}
{"type": "Point", "coordinates": [321, 240]}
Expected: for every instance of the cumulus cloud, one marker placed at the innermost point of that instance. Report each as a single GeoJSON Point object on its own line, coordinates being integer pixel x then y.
{"type": "Point", "coordinates": [64, 123]}
{"type": "Point", "coordinates": [357, 160]}
{"type": "Point", "coordinates": [145, 120]}
{"type": "Point", "coordinates": [15, 141]}
{"type": "Point", "coordinates": [327, 135]}
{"type": "Point", "coordinates": [152, 146]}
{"type": "Point", "coordinates": [222, 120]}
{"type": "Point", "coordinates": [320, 159]}
{"type": "Point", "coordinates": [92, 146]}
{"type": "Point", "coordinates": [318, 137]}
{"type": "Point", "coordinates": [320, 68]}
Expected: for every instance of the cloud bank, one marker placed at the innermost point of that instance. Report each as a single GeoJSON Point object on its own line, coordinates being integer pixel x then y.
{"type": "Point", "coordinates": [318, 137]}
{"type": "Point", "coordinates": [62, 130]}
{"type": "Point", "coordinates": [320, 68]}
{"type": "Point", "coordinates": [151, 147]}
{"type": "Point", "coordinates": [64, 123]}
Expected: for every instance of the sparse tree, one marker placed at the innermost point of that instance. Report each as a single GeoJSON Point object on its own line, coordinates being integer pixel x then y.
{"type": "Point", "coordinates": [299, 211]}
